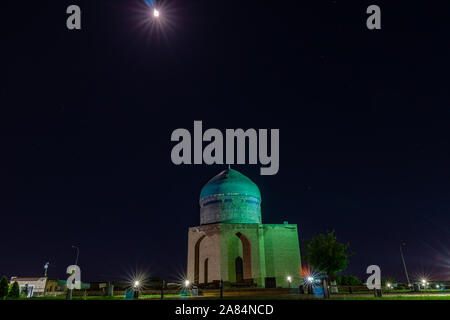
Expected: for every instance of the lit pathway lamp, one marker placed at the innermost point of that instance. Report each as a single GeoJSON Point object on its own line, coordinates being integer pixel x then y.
{"type": "Point", "coordinates": [289, 280]}
{"type": "Point", "coordinates": [424, 283]}
{"type": "Point", "coordinates": [136, 285]}
{"type": "Point", "coordinates": [310, 284]}
{"type": "Point", "coordinates": [185, 291]}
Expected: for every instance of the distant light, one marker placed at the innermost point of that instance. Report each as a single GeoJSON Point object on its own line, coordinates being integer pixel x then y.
{"type": "Point", "coordinates": [437, 286]}
{"type": "Point", "coordinates": [424, 281]}
{"type": "Point", "coordinates": [155, 13]}
{"type": "Point", "coordinates": [136, 283]}
{"type": "Point", "coordinates": [310, 279]}
{"type": "Point", "coordinates": [389, 285]}
{"type": "Point", "coordinates": [289, 279]}
{"type": "Point", "coordinates": [186, 283]}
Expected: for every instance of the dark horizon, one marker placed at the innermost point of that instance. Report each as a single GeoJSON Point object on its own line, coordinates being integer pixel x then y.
{"type": "Point", "coordinates": [86, 119]}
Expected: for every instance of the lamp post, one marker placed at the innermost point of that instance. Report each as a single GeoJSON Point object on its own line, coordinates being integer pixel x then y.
{"type": "Point", "coordinates": [136, 285]}
{"type": "Point", "coordinates": [289, 280]}
{"type": "Point", "coordinates": [310, 284]}
{"type": "Point", "coordinates": [404, 264]}
{"type": "Point", "coordinates": [186, 287]}
{"type": "Point", "coordinates": [78, 253]}
{"type": "Point", "coordinates": [46, 268]}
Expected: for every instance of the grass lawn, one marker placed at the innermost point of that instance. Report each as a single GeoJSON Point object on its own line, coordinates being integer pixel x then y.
{"type": "Point", "coordinates": [421, 296]}
{"type": "Point", "coordinates": [402, 297]}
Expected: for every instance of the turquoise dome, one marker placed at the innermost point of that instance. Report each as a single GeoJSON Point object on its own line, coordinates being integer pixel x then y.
{"type": "Point", "coordinates": [230, 182]}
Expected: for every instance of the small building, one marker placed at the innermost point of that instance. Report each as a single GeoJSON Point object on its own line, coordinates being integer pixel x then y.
{"type": "Point", "coordinates": [34, 286]}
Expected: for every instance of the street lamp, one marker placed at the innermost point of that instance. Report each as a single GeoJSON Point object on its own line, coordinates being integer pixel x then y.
{"type": "Point", "coordinates": [310, 284]}
{"type": "Point", "coordinates": [424, 283]}
{"type": "Point", "coordinates": [289, 280]}
{"type": "Point", "coordinates": [46, 268]}
{"type": "Point", "coordinates": [136, 285]}
{"type": "Point", "coordinates": [186, 283]}
{"type": "Point", "coordinates": [404, 264]}
{"type": "Point", "coordinates": [78, 253]}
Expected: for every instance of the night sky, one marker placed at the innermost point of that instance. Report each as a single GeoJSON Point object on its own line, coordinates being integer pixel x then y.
{"type": "Point", "coordinates": [86, 118]}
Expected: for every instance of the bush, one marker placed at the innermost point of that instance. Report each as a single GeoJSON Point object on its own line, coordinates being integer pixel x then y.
{"type": "Point", "coordinates": [14, 292]}
{"type": "Point", "coordinates": [4, 287]}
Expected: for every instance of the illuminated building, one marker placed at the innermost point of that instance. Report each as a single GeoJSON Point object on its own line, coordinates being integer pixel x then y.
{"type": "Point", "coordinates": [231, 244]}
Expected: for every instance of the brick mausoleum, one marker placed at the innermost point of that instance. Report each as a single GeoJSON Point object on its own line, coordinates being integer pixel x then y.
{"type": "Point", "coordinates": [232, 244]}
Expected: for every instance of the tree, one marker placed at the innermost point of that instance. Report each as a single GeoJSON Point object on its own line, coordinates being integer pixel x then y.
{"type": "Point", "coordinates": [4, 287]}
{"type": "Point", "coordinates": [324, 253]}
{"type": "Point", "coordinates": [348, 280]}
{"type": "Point", "coordinates": [14, 292]}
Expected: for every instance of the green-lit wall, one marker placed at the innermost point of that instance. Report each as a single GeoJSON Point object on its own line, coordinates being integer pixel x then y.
{"type": "Point", "coordinates": [282, 253]}
{"type": "Point", "coordinates": [274, 253]}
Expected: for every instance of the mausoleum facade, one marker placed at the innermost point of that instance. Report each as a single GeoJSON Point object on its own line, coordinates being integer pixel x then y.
{"type": "Point", "coordinates": [231, 244]}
